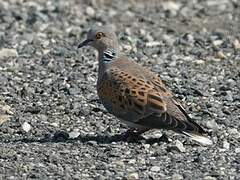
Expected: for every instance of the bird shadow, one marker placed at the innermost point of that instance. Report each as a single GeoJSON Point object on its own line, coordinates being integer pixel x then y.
{"type": "Point", "coordinates": [63, 137]}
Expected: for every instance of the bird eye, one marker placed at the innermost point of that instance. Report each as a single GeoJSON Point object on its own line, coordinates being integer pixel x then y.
{"type": "Point", "coordinates": [99, 35]}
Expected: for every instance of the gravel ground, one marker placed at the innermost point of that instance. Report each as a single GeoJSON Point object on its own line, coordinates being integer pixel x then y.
{"type": "Point", "coordinates": [52, 125]}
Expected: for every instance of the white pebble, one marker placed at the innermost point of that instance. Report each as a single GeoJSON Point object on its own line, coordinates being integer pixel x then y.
{"type": "Point", "coordinates": [26, 126]}
{"type": "Point", "coordinates": [155, 169]}
{"type": "Point", "coordinates": [209, 178]}
{"type": "Point", "coordinates": [147, 146]}
{"type": "Point", "coordinates": [179, 146]}
{"type": "Point", "coordinates": [236, 44]}
{"type": "Point", "coordinates": [237, 150]}
{"type": "Point", "coordinates": [212, 125]}
{"type": "Point", "coordinates": [171, 5]}
{"type": "Point", "coordinates": [234, 133]}
{"type": "Point", "coordinates": [133, 176]}
{"type": "Point", "coordinates": [5, 53]}
{"type": "Point", "coordinates": [226, 145]}
{"type": "Point", "coordinates": [153, 43]}
{"type": "Point", "coordinates": [90, 11]}
{"type": "Point", "coordinates": [220, 55]}
{"type": "Point", "coordinates": [74, 134]}
{"type": "Point", "coordinates": [217, 42]}
{"type": "Point", "coordinates": [55, 124]}
{"type": "Point", "coordinates": [177, 177]}
{"type": "Point", "coordinates": [199, 61]}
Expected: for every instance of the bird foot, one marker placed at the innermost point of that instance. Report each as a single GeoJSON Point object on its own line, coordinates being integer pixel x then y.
{"type": "Point", "coordinates": [133, 135]}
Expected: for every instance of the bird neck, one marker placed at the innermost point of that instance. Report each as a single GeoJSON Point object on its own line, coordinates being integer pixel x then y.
{"type": "Point", "coordinates": [108, 55]}
{"type": "Point", "coordinates": [105, 58]}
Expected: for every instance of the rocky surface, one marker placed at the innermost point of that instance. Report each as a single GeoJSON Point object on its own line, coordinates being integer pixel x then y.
{"type": "Point", "coordinates": [52, 125]}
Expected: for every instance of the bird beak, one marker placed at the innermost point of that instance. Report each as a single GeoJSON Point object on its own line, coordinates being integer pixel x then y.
{"type": "Point", "coordinates": [84, 43]}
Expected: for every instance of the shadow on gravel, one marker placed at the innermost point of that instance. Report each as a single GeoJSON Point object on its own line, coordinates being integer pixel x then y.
{"type": "Point", "coordinates": [63, 137]}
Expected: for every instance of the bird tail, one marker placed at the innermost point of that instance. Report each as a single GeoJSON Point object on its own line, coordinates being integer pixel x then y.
{"type": "Point", "coordinates": [202, 139]}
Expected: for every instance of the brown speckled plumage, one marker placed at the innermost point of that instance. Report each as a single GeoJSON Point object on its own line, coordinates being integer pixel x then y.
{"type": "Point", "coordinates": [135, 94]}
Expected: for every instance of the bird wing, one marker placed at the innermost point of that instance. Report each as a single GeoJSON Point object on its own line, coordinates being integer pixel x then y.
{"type": "Point", "coordinates": [175, 117]}
{"type": "Point", "coordinates": [135, 94]}
{"type": "Point", "coordinates": [129, 97]}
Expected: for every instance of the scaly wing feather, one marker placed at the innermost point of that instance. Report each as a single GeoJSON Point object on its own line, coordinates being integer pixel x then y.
{"type": "Point", "coordinates": [128, 96]}
{"type": "Point", "coordinates": [144, 101]}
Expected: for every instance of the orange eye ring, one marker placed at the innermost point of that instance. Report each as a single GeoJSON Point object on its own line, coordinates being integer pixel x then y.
{"type": "Point", "coordinates": [99, 35]}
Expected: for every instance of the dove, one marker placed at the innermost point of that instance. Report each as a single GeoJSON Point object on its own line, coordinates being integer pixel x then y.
{"type": "Point", "coordinates": [134, 94]}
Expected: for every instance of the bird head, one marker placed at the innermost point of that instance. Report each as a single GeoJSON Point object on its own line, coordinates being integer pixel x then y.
{"type": "Point", "coordinates": [101, 38]}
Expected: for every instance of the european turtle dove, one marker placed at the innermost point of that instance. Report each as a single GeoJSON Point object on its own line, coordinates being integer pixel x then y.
{"type": "Point", "coordinates": [134, 94]}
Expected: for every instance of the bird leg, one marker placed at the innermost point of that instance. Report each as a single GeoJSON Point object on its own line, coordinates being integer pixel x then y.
{"type": "Point", "coordinates": [133, 134]}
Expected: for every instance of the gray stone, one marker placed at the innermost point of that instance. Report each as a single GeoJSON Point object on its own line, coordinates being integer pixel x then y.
{"type": "Point", "coordinates": [6, 53]}
{"type": "Point", "coordinates": [171, 6]}
{"type": "Point", "coordinates": [212, 124]}
{"type": "Point", "coordinates": [226, 145]}
{"type": "Point", "coordinates": [169, 40]}
{"type": "Point", "coordinates": [177, 177]}
{"type": "Point", "coordinates": [229, 96]}
{"type": "Point", "coordinates": [177, 145]}
{"type": "Point", "coordinates": [90, 11]}
{"type": "Point", "coordinates": [217, 42]}
{"type": "Point", "coordinates": [74, 134]}
{"type": "Point", "coordinates": [133, 176]}
{"type": "Point", "coordinates": [26, 127]}
{"type": "Point", "coordinates": [155, 169]}
{"type": "Point", "coordinates": [209, 178]}
{"type": "Point", "coordinates": [221, 55]}
{"type": "Point", "coordinates": [236, 44]}
{"type": "Point", "coordinates": [237, 150]}
{"type": "Point", "coordinates": [199, 61]}
{"type": "Point", "coordinates": [4, 118]}
{"type": "Point", "coordinates": [153, 44]}
{"type": "Point", "coordinates": [233, 132]}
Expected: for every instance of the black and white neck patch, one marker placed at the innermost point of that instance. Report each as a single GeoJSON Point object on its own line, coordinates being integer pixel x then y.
{"type": "Point", "coordinates": [109, 55]}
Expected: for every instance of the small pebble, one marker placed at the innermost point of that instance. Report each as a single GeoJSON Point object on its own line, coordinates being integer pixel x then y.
{"type": "Point", "coordinates": [153, 44]}
{"type": "Point", "coordinates": [132, 161]}
{"type": "Point", "coordinates": [90, 11]}
{"type": "Point", "coordinates": [5, 53]}
{"type": "Point", "coordinates": [217, 42]}
{"type": "Point", "coordinates": [209, 178]}
{"type": "Point", "coordinates": [120, 163]}
{"type": "Point", "coordinates": [177, 177]}
{"type": "Point", "coordinates": [237, 150]}
{"type": "Point", "coordinates": [229, 96]}
{"type": "Point", "coordinates": [147, 146]}
{"type": "Point", "coordinates": [234, 133]}
{"type": "Point", "coordinates": [4, 118]}
{"type": "Point", "coordinates": [236, 44]}
{"type": "Point", "coordinates": [133, 176]}
{"type": "Point", "coordinates": [220, 55]}
{"type": "Point", "coordinates": [127, 47]}
{"type": "Point", "coordinates": [212, 124]}
{"type": "Point", "coordinates": [168, 39]}
{"type": "Point", "coordinates": [199, 61]}
{"type": "Point", "coordinates": [226, 145]}
{"type": "Point", "coordinates": [6, 109]}
{"type": "Point", "coordinates": [157, 134]}
{"type": "Point", "coordinates": [74, 134]}
{"type": "Point", "coordinates": [26, 127]}
{"type": "Point", "coordinates": [155, 169]}
{"type": "Point", "coordinates": [171, 6]}
{"type": "Point", "coordinates": [55, 124]}
{"type": "Point", "coordinates": [178, 146]}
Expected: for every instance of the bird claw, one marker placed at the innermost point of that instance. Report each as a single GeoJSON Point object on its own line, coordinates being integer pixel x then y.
{"type": "Point", "coordinates": [133, 135]}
